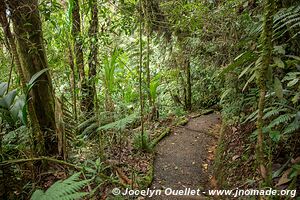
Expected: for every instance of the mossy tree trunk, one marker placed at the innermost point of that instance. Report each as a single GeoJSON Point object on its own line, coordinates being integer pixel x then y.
{"type": "Point", "coordinates": [78, 51]}
{"type": "Point", "coordinates": [93, 60]}
{"type": "Point", "coordinates": [73, 81]}
{"type": "Point", "coordinates": [28, 29]}
{"type": "Point", "coordinates": [140, 71]}
{"type": "Point", "coordinates": [266, 55]}
{"type": "Point", "coordinates": [37, 135]}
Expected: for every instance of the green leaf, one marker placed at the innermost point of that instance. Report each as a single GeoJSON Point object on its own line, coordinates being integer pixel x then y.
{"type": "Point", "coordinates": [249, 81]}
{"type": "Point", "coordinates": [7, 100]}
{"type": "Point", "coordinates": [245, 70]}
{"type": "Point", "coordinates": [278, 62]}
{"type": "Point", "coordinates": [294, 57]}
{"type": "Point", "coordinates": [293, 82]}
{"type": "Point", "coordinates": [278, 88]}
{"type": "Point", "coordinates": [17, 109]}
{"type": "Point", "coordinates": [275, 136]}
{"type": "Point", "coordinates": [3, 88]}
{"type": "Point", "coordinates": [238, 61]}
{"type": "Point", "coordinates": [36, 76]}
{"type": "Point", "coordinates": [295, 171]}
{"type": "Point", "coordinates": [279, 50]}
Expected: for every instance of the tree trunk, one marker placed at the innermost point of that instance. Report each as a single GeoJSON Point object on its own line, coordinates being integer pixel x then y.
{"type": "Point", "coordinates": [38, 143]}
{"type": "Point", "coordinates": [79, 62]}
{"type": "Point", "coordinates": [73, 82]}
{"type": "Point", "coordinates": [148, 71]}
{"type": "Point", "coordinates": [140, 69]}
{"type": "Point", "coordinates": [27, 26]}
{"type": "Point", "coordinates": [92, 57]}
{"type": "Point", "coordinates": [188, 104]}
{"type": "Point", "coordinates": [266, 37]}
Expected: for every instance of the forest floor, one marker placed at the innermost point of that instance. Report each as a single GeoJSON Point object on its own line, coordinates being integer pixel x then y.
{"type": "Point", "coordinates": [184, 159]}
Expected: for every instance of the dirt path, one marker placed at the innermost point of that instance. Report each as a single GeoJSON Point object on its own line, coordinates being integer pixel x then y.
{"type": "Point", "coordinates": [183, 159]}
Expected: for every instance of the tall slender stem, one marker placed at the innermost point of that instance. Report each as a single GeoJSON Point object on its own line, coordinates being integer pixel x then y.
{"type": "Point", "coordinates": [140, 76]}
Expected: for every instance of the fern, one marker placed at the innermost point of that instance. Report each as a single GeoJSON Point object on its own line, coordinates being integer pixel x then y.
{"type": "Point", "coordinates": [251, 117]}
{"type": "Point", "coordinates": [120, 124]}
{"type": "Point", "coordinates": [274, 112]}
{"type": "Point", "coordinates": [86, 123]}
{"type": "Point", "coordinates": [292, 127]}
{"type": "Point", "coordinates": [287, 17]}
{"type": "Point", "coordinates": [285, 118]}
{"type": "Point", "coordinates": [142, 142]}
{"type": "Point", "coordinates": [63, 190]}
{"type": "Point", "coordinates": [90, 129]}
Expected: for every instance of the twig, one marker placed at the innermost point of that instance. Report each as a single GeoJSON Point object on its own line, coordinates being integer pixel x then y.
{"type": "Point", "coordinates": [8, 162]}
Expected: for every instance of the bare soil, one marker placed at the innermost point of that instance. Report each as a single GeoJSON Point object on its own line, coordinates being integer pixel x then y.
{"type": "Point", "coordinates": [184, 159]}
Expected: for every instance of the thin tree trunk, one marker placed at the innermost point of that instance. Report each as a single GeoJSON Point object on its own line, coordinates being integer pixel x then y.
{"type": "Point", "coordinates": [188, 85]}
{"type": "Point", "coordinates": [79, 61]}
{"type": "Point", "coordinates": [140, 77]}
{"type": "Point", "coordinates": [73, 82]}
{"type": "Point", "coordinates": [92, 57]}
{"type": "Point", "coordinates": [148, 71]}
{"type": "Point", "coordinates": [267, 46]}
{"type": "Point", "coordinates": [27, 26]}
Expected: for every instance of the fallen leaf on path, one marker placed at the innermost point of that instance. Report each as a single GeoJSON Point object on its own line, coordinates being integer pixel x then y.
{"type": "Point", "coordinates": [235, 157]}
{"type": "Point", "coordinates": [213, 182]}
{"type": "Point", "coordinates": [284, 178]}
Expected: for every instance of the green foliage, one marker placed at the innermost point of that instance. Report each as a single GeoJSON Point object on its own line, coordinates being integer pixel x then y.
{"type": "Point", "coordinates": [12, 107]}
{"type": "Point", "coordinates": [121, 124]}
{"type": "Point", "coordinates": [102, 122]}
{"type": "Point", "coordinates": [110, 64]}
{"type": "Point", "coordinates": [287, 20]}
{"type": "Point", "coordinates": [142, 142]}
{"type": "Point", "coordinates": [63, 190]}
{"type": "Point", "coordinates": [154, 84]}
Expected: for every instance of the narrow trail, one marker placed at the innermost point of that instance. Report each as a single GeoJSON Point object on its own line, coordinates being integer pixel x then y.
{"type": "Point", "coordinates": [184, 158]}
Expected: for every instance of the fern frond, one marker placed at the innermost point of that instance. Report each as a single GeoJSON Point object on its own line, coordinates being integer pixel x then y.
{"type": "Point", "coordinates": [251, 117]}
{"type": "Point", "coordinates": [292, 127]}
{"type": "Point", "coordinates": [284, 13]}
{"type": "Point", "coordinates": [86, 123]}
{"type": "Point", "coordinates": [120, 124]}
{"type": "Point", "coordinates": [274, 112]}
{"type": "Point", "coordinates": [289, 18]}
{"type": "Point", "coordinates": [90, 129]}
{"type": "Point", "coordinates": [281, 119]}
{"type": "Point", "coordinates": [63, 190]}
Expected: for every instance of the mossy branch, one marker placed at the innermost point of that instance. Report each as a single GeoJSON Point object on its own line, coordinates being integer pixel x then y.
{"type": "Point", "coordinates": [160, 137]}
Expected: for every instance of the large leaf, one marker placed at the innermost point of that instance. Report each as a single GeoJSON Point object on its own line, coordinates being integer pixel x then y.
{"type": "Point", "coordinates": [3, 88]}
{"type": "Point", "coordinates": [275, 136]}
{"type": "Point", "coordinates": [36, 76]}
{"type": "Point", "coordinates": [293, 82]}
{"type": "Point", "coordinates": [278, 88]}
{"type": "Point", "coordinates": [7, 100]}
{"type": "Point", "coordinates": [17, 109]}
{"type": "Point", "coordinates": [278, 62]}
